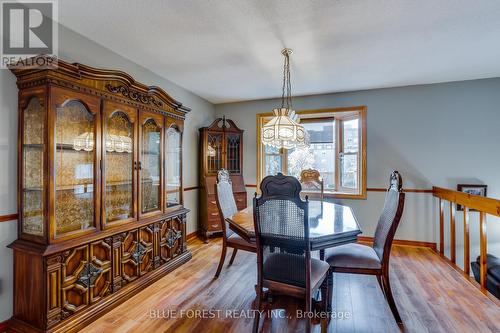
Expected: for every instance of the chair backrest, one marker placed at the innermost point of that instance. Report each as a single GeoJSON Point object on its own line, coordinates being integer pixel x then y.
{"type": "Point", "coordinates": [282, 225]}
{"type": "Point", "coordinates": [389, 219]}
{"type": "Point", "coordinates": [312, 183]}
{"type": "Point", "coordinates": [225, 199]}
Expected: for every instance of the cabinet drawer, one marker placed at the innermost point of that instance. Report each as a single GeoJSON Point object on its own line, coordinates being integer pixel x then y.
{"type": "Point", "coordinates": [212, 201]}
{"type": "Point", "coordinates": [212, 212]}
{"type": "Point", "coordinates": [241, 200]}
{"type": "Point", "coordinates": [213, 222]}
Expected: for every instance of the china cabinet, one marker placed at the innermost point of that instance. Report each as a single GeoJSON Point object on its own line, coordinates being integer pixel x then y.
{"type": "Point", "coordinates": [100, 193]}
{"type": "Point", "coordinates": [221, 147]}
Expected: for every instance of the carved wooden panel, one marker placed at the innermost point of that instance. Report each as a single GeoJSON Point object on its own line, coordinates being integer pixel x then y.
{"type": "Point", "coordinates": [117, 262]}
{"type": "Point", "coordinates": [54, 289]}
{"type": "Point", "coordinates": [174, 237]}
{"type": "Point", "coordinates": [163, 250]}
{"type": "Point", "coordinates": [75, 270]}
{"type": "Point", "coordinates": [100, 277]}
{"type": "Point", "coordinates": [145, 249]}
{"type": "Point", "coordinates": [170, 239]}
{"type": "Point", "coordinates": [156, 244]}
{"type": "Point", "coordinates": [130, 262]}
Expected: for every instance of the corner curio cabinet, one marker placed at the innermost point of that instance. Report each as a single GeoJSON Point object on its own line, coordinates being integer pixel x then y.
{"type": "Point", "coordinates": [100, 193]}
{"type": "Point", "coordinates": [221, 147]}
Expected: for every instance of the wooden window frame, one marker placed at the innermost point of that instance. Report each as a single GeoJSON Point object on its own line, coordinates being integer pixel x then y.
{"type": "Point", "coordinates": [340, 115]}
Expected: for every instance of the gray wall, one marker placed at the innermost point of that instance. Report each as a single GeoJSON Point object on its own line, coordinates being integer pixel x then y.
{"type": "Point", "coordinates": [440, 134]}
{"type": "Point", "coordinates": [76, 48]}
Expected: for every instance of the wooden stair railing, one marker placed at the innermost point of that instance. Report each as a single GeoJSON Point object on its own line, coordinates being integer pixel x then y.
{"type": "Point", "coordinates": [481, 204]}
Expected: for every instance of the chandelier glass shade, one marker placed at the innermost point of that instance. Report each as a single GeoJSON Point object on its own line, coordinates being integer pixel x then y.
{"type": "Point", "coordinates": [284, 129]}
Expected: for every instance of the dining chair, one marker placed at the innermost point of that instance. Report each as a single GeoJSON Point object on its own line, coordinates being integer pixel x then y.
{"type": "Point", "coordinates": [227, 207]}
{"type": "Point", "coordinates": [312, 184]}
{"type": "Point", "coordinates": [284, 263]}
{"type": "Point", "coordinates": [356, 258]}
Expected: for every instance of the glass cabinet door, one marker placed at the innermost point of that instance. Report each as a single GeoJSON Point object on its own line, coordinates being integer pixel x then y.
{"type": "Point", "coordinates": [118, 151]}
{"type": "Point", "coordinates": [150, 163]}
{"type": "Point", "coordinates": [233, 158]}
{"type": "Point", "coordinates": [33, 194]}
{"type": "Point", "coordinates": [75, 160]}
{"type": "Point", "coordinates": [173, 179]}
{"type": "Point", "coordinates": [214, 152]}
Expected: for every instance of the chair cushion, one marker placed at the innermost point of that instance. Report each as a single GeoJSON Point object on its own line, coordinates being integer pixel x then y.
{"type": "Point", "coordinates": [493, 273]}
{"type": "Point", "coordinates": [353, 255]}
{"type": "Point", "coordinates": [494, 269]}
{"type": "Point", "coordinates": [290, 269]}
{"type": "Point", "coordinates": [237, 240]}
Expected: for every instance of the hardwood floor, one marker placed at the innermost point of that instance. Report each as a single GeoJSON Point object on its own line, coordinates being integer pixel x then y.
{"type": "Point", "coordinates": [431, 297]}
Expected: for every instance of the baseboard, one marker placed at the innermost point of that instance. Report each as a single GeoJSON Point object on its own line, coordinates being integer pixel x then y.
{"type": "Point", "coordinates": [192, 236]}
{"type": "Point", "coordinates": [404, 242]}
{"type": "Point", "coordinates": [4, 326]}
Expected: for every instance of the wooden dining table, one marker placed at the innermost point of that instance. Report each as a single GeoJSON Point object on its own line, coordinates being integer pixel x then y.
{"type": "Point", "coordinates": [330, 225]}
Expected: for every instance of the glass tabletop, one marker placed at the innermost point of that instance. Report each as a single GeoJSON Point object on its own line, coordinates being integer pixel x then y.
{"type": "Point", "coordinates": [326, 218]}
{"type": "Point", "coordinates": [329, 224]}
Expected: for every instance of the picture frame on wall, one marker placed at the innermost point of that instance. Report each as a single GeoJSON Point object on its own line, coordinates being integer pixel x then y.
{"type": "Point", "coordinates": [473, 189]}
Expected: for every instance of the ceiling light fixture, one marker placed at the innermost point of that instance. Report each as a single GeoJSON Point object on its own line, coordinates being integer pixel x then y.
{"type": "Point", "coordinates": [284, 130]}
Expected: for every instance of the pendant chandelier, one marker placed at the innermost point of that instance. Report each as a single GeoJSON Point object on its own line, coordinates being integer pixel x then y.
{"type": "Point", "coordinates": [284, 130]}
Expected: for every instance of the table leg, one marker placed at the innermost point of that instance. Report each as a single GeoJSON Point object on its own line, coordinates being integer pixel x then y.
{"type": "Point", "coordinates": [265, 292]}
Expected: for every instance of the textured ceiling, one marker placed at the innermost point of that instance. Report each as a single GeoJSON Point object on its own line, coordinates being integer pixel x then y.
{"type": "Point", "coordinates": [228, 50]}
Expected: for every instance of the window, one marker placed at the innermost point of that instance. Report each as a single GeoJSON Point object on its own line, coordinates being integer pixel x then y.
{"type": "Point", "coordinates": [337, 150]}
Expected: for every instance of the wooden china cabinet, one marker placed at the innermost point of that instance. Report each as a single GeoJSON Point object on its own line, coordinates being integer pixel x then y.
{"type": "Point", "coordinates": [100, 193]}
{"type": "Point", "coordinates": [221, 147]}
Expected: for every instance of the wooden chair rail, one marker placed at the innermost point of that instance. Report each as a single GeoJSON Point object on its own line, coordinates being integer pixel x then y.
{"type": "Point", "coordinates": [9, 217]}
{"type": "Point", "coordinates": [481, 204]}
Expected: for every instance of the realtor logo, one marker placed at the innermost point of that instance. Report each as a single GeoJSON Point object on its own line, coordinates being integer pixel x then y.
{"type": "Point", "coordinates": [29, 28]}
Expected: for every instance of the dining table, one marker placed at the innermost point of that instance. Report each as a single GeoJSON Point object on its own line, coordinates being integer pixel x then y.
{"type": "Point", "coordinates": [330, 225]}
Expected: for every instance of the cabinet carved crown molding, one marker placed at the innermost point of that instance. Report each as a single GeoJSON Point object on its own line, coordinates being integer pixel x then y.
{"type": "Point", "coordinates": [134, 95]}
{"type": "Point", "coordinates": [99, 81]}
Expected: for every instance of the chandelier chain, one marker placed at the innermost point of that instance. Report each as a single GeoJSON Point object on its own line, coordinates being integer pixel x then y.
{"type": "Point", "coordinates": [284, 84]}
{"type": "Point", "coordinates": [286, 91]}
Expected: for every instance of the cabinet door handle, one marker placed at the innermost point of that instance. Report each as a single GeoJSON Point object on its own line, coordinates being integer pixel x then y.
{"type": "Point", "coordinates": [135, 165]}
{"type": "Point", "coordinates": [213, 202]}
{"type": "Point", "coordinates": [140, 165]}
{"type": "Point", "coordinates": [239, 200]}
{"type": "Point", "coordinates": [214, 214]}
